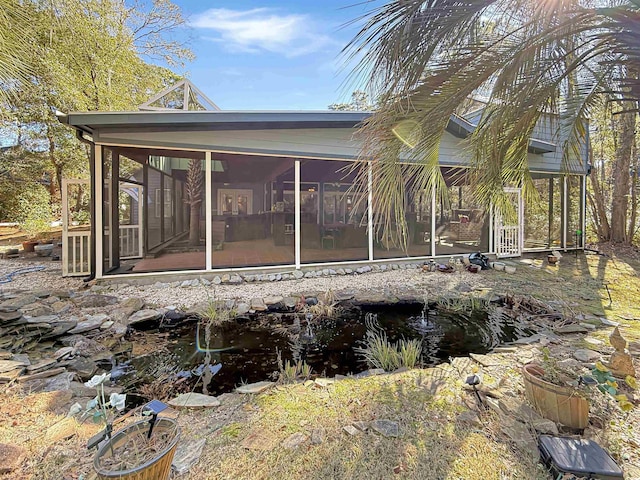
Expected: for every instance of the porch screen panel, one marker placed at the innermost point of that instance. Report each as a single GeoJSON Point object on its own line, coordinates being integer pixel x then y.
{"type": "Point", "coordinates": [418, 230]}
{"type": "Point", "coordinates": [462, 224]}
{"type": "Point", "coordinates": [538, 218]}
{"type": "Point", "coordinates": [154, 208]}
{"type": "Point", "coordinates": [253, 211]}
{"type": "Point", "coordinates": [333, 216]}
{"type": "Point", "coordinates": [168, 203]}
{"type": "Point", "coordinates": [179, 208]}
{"type": "Point", "coordinates": [130, 227]}
{"type": "Point", "coordinates": [574, 211]}
{"type": "Point", "coordinates": [107, 169]}
{"type": "Point", "coordinates": [131, 170]}
{"type": "Point", "coordinates": [556, 197]}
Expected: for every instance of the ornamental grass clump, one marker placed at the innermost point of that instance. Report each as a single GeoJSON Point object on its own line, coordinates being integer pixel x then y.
{"type": "Point", "coordinates": [379, 352]}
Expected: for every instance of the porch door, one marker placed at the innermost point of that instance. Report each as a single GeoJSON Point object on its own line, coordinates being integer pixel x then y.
{"type": "Point", "coordinates": [76, 228]}
{"type": "Point", "coordinates": [234, 201]}
{"type": "Point", "coordinates": [131, 210]}
{"type": "Point", "coordinates": [509, 227]}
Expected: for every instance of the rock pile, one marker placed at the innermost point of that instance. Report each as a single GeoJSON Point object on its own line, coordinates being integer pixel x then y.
{"type": "Point", "coordinates": [62, 334]}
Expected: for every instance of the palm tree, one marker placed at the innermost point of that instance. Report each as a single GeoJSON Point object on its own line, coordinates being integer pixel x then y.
{"type": "Point", "coordinates": [425, 59]}
{"type": "Point", "coordinates": [14, 47]}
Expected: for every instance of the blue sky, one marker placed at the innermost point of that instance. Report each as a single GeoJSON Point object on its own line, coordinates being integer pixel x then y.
{"type": "Point", "coordinates": [271, 55]}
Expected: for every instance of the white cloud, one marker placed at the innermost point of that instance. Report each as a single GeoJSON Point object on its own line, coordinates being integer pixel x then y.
{"type": "Point", "coordinates": [262, 29]}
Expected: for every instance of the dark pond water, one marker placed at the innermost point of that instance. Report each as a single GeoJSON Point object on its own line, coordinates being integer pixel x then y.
{"type": "Point", "coordinates": [247, 350]}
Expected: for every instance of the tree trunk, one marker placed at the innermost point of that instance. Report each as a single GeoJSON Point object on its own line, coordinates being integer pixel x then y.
{"type": "Point", "coordinates": [194, 224]}
{"type": "Point", "coordinates": [621, 178]}
{"type": "Point", "coordinates": [634, 197]}
{"type": "Point", "coordinates": [194, 199]}
{"type": "Point", "coordinates": [596, 200]}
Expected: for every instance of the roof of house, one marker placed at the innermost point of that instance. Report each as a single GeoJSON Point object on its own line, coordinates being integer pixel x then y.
{"type": "Point", "coordinates": [245, 120]}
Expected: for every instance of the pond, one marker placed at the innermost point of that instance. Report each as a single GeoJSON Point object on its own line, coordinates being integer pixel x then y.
{"type": "Point", "coordinates": [247, 349]}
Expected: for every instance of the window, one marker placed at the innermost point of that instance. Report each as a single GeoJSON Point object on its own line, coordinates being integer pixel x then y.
{"type": "Point", "coordinates": [167, 203]}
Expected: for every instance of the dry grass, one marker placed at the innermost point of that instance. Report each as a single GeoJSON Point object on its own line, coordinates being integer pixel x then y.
{"type": "Point", "coordinates": [425, 403]}
{"type": "Point", "coordinates": [431, 445]}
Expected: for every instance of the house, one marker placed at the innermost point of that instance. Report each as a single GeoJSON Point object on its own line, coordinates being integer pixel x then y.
{"type": "Point", "coordinates": [276, 194]}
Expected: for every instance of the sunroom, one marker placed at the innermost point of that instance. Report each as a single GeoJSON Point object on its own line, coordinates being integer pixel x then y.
{"type": "Point", "coordinates": [206, 191]}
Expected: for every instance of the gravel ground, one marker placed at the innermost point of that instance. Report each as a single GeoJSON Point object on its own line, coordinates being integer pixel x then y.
{"type": "Point", "coordinates": [391, 282]}
{"type": "Point", "coordinates": [48, 279]}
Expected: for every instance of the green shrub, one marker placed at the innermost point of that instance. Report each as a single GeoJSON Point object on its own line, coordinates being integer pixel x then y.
{"type": "Point", "coordinates": [27, 204]}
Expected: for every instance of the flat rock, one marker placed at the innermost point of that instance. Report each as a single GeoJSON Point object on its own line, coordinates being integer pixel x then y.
{"type": "Point", "coordinates": [9, 365]}
{"type": "Point", "coordinates": [294, 441]}
{"type": "Point", "coordinates": [11, 375]}
{"type": "Point", "coordinates": [351, 430]}
{"type": "Point", "coordinates": [571, 328]}
{"type": "Point", "coordinates": [14, 304]}
{"type": "Point", "coordinates": [61, 306]}
{"type": "Point", "coordinates": [84, 367]}
{"type": "Point", "coordinates": [258, 305]}
{"type": "Point", "coordinates": [272, 300]}
{"type": "Point", "coordinates": [255, 388]}
{"type": "Point", "coordinates": [9, 316]}
{"type": "Point", "coordinates": [37, 309]}
{"type": "Point", "coordinates": [362, 426]}
{"type": "Point", "coordinates": [569, 364]}
{"type": "Point", "coordinates": [141, 316]}
{"type": "Point", "coordinates": [542, 425]}
{"type": "Point", "coordinates": [91, 323]}
{"type": "Point", "coordinates": [63, 352]}
{"type": "Point", "coordinates": [517, 432]}
{"type": "Point", "coordinates": [585, 355]}
{"type": "Point", "coordinates": [42, 365]}
{"type": "Point", "coordinates": [242, 308]}
{"type": "Point", "coordinates": [194, 400]}
{"type": "Point", "coordinates": [46, 374]}
{"type": "Point", "coordinates": [11, 456]}
{"type": "Point", "coordinates": [469, 418]}
{"type": "Point", "coordinates": [133, 303]}
{"type": "Point", "coordinates": [487, 360]}
{"type": "Point", "coordinates": [386, 428]}
{"type": "Point", "coordinates": [95, 300]}
{"type": "Point", "coordinates": [290, 302]}
{"type": "Point", "coordinates": [43, 319]}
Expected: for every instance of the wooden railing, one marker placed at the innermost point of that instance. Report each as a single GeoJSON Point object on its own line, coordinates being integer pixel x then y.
{"type": "Point", "coordinates": [78, 249]}
{"type": "Point", "coordinates": [508, 244]}
{"type": "Point", "coordinates": [130, 241]}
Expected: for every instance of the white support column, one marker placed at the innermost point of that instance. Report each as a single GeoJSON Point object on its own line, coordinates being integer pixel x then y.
{"type": "Point", "coordinates": [564, 213]}
{"type": "Point", "coordinates": [207, 211]}
{"type": "Point", "coordinates": [370, 209]}
{"type": "Point", "coordinates": [141, 200]}
{"type": "Point", "coordinates": [433, 221]}
{"type": "Point", "coordinates": [296, 226]}
{"type": "Point", "coordinates": [99, 207]}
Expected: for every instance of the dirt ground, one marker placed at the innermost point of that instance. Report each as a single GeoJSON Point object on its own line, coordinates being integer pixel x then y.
{"type": "Point", "coordinates": [442, 434]}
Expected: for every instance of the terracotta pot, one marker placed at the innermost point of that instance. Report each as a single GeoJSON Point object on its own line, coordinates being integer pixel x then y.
{"type": "Point", "coordinates": [29, 246]}
{"type": "Point", "coordinates": [473, 268]}
{"type": "Point", "coordinates": [560, 404]}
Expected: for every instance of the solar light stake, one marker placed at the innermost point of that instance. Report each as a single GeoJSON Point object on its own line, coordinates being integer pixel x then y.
{"type": "Point", "coordinates": [153, 408]}
{"type": "Point", "coordinates": [474, 380]}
